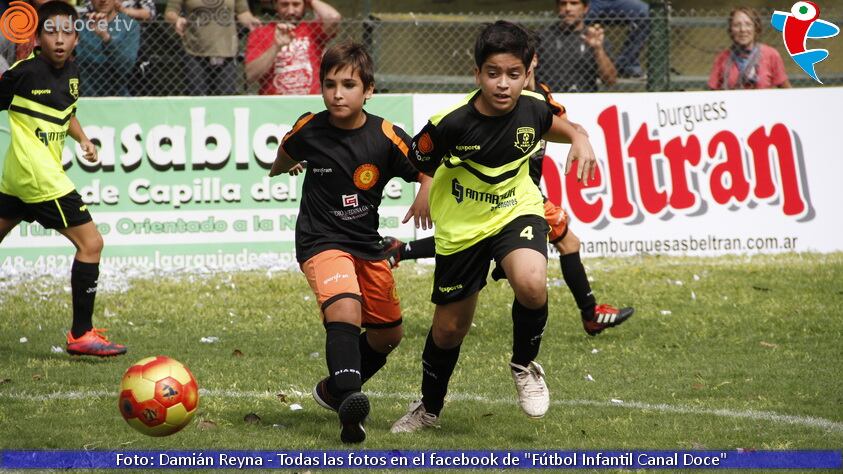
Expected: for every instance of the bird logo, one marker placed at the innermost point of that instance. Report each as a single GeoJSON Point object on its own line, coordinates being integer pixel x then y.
{"type": "Point", "coordinates": [803, 22]}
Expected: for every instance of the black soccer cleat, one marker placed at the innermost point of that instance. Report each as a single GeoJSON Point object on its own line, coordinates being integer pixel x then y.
{"type": "Point", "coordinates": [323, 397]}
{"type": "Point", "coordinates": [352, 413]}
{"type": "Point", "coordinates": [392, 250]}
{"type": "Point", "coordinates": [605, 316]}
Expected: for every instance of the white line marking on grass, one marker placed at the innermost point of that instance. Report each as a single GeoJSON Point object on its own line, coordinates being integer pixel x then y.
{"type": "Point", "coordinates": [809, 421]}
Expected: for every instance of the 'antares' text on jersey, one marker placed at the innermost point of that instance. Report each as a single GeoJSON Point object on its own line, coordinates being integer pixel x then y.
{"type": "Point", "coordinates": [346, 174]}
{"type": "Point", "coordinates": [41, 100]}
{"type": "Point", "coordinates": [483, 181]}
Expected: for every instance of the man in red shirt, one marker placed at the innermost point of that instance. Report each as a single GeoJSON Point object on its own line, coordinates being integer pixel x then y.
{"type": "Point", "coordinates": [284, 56]}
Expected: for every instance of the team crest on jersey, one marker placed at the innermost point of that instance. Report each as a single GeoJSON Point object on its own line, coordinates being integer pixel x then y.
{"type": "Point", "coordinates": [525, 138]}
{"type": "Point", "coordinates": [74, 87]}
{"type": "Point", "coordinates": [365, 176]}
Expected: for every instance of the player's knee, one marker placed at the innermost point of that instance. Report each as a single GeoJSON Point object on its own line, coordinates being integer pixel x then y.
{"type": "Point", "coordinates": [532, 294]}
{"type": "Point", "coordinates": [343, 309]}
{"type": "Point", "coordinates": [92, 247]}
{"type": "Point", "coordinates": [569, 244]}
{"type": "Point", "coordinates": [449, 334]}
{"type": "Point", "coordinates": [385, 341]}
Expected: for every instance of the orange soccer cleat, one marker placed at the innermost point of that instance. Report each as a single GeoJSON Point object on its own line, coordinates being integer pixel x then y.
{"type": "Point", "coordinates": [93, 343]}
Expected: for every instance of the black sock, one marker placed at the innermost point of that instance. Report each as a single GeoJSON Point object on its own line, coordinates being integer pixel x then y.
{"type": "Point", "coordinates": [371, 360]}
{"type": "Point", "coordinates": [342, 351]}
{"type": "Point", "coordinates": [422, 248]}
{"type": "Point", "coordinates": [83, 284]}
{"type": "Point", "coordinates": [574, 274]}
{"type": "Point", "coordinates": [527, 330]}
{"type": "Point", "coordinates": [437, 367]}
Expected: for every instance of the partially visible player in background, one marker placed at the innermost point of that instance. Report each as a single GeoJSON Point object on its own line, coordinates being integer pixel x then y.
{"type": "Point", "coordinates": [595, 317]}
{"type": "Point", "coordinates": [351, 155]}
{"type": "Point", "coordinates": [40, 93]}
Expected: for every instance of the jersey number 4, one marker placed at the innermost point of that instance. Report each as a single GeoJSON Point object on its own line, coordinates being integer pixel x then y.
{"type": "Point", "coordinates": [527, 233]}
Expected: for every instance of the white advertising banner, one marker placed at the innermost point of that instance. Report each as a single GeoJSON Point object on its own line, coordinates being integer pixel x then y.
{"type": "Point", "coordinates": [700, 173]}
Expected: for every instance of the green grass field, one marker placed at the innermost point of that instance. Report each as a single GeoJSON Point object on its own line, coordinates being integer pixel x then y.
{"type": "Point", "coordinates": [748, 357]}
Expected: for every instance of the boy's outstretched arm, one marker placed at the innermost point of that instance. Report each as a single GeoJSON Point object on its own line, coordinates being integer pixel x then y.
{"type": "Point", "coordinates": [563, 131]}
{"type": "Point", "coordinates": [89, 150]}
{"type": "Point", "coordinates": [282, 164]}
{"type": "Point", "coordinates": [420, 209]}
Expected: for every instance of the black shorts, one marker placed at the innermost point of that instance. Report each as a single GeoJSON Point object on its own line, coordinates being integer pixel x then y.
{"type": "Point", "coordinates": [66, 211]}
{"type": "Point", "coordinates": [460, 275]}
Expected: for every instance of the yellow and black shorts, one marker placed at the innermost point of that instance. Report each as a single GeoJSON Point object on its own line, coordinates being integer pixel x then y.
{"type": "Point", "coordinates": [66, 211]}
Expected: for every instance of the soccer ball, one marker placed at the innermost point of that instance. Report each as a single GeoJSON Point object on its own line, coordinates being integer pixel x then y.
{"type": "Point", "coordinates": [158, 396]}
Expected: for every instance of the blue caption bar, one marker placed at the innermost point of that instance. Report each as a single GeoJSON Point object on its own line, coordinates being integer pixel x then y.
{"type": "Point", "coordinates": [428, 459]}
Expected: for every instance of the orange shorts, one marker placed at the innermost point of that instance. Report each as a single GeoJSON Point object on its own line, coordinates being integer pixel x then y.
{"type": "Point", "coordinates": [557, 219]}
{"type": "Point", "coordinates": [334, 274]}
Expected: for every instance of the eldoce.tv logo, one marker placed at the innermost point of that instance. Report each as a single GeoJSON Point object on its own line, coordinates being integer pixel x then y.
{"type": "Point", "coordinates": [803, 22]}
{"type": "Point", "coordinates": [18, 22]}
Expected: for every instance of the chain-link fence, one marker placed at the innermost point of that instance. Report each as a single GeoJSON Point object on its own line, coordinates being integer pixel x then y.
{"type": "Point", "coordinates": [434, 53]}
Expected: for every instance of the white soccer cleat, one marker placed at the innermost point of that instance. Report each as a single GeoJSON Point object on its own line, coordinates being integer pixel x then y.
{"type": "Point", "coordinates": [533, 395]}
{"type": "Point", "coordinates": [417, 418]}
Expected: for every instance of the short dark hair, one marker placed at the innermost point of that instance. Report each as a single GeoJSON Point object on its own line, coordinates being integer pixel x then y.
{"type": "Point", "coordinates": [348, 54]}
{"type": "Point", "coordinates": [504, 37]}
{"type": "Point", "coordinates": [53, 9]}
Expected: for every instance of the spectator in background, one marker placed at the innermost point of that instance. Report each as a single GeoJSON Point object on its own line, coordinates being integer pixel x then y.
{"type": "Point", "coordinates": [23, 50]}
{"type": "Point", "coordinates": [141, 10]}
{"type": "Point", "coordinates": [634, 13]}
{"type": "Point", "coordinates": [107, 51]}
{"type": "Point", "coordinates": [572, 55]}
{"type": "Point", "coordinates": [747, 64]}
{"type": "Point", "coordinates": [284, 56]}
{"type": "Point", "coordinates": [209, 36]}
{"type": "Point", "coordinates": [7, 54]}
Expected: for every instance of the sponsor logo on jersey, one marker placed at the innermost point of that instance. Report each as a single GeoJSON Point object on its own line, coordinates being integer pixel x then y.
{"type": "Point", "coordinates": [461, 193]}
{"type": "Point", "coordinates": [365, 176]}
{"type": "Point", "coordinates": [349, 200]}
{"type": "Point", "coordinates": [468, 147]}
{"type": "Point", "coordinates": [40, 91]}
{"type": "Point", "coordinates": [47, 137]}
{"type": "Point", "coordinates": [425, 143]}
{"type": "Point", "coordinates": [448, 289]}
{"type": "Point", "coordinates": [525, 138]}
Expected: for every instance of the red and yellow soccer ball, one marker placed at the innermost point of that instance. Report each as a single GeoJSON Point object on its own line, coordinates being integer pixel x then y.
{"type": "Point", "coordinates": [158, 396]}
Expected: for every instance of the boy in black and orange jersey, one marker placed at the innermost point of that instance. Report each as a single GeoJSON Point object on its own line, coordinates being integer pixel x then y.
{"type": "Point", "coordinates": [350, 155]}
{"type": "Point", "coordinates": [485, 206]}
{"type": "Point", "coordinates": [595, 317]}
{"type": "Point", "coordinates": [40, 93]}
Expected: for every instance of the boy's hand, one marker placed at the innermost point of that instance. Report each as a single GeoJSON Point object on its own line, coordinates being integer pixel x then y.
{"type": "Point", "coordinates": [581, 151]}
{"type": "Point", "coordinates": [89, 150]}
{"type": "Point", "coordinates": [295, 170]}
{"type": "Point", "coordinates": [420, 210]}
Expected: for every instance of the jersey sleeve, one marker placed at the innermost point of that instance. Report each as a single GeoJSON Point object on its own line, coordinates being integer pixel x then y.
{"type": "Point", "coordinates": [428, 148]}
{"type": "Point", "coordinates": [556, 108]}
{"type": "Point", "coordinates": [544, 116]}
{"type": "Point", "coordinates": [399, 160]}
{"type": "Point", "coordinates": [294, 143]}
{"type": "Point", "coordinates": [8, 82]}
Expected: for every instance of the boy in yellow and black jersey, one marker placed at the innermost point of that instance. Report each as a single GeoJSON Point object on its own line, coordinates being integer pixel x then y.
{"type": "Point", "coordinates": [485, 206]}
{"type": "Point", "coordinates": [40, 94]}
